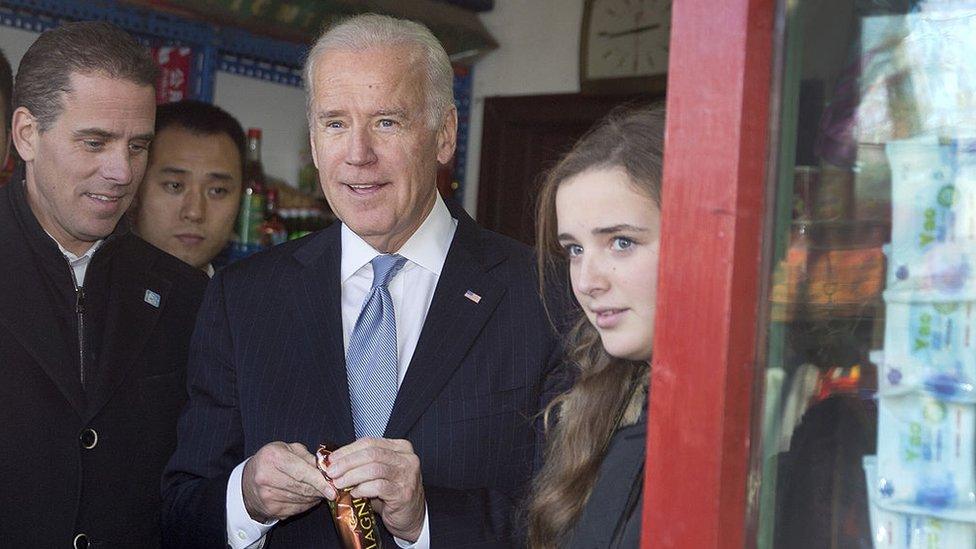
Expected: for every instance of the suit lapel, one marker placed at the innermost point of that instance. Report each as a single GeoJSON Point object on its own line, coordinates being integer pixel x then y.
{"type": "Point", "coordinates": [26, 311]}
{"type": "Point", "coordinates": [320, 306]}
{"type": "Point", "coordinates": [26, 305]}
{"type": "Point", "coordinates": [454, 321]}
{"type": "Point", "coordinates": [136, 299]}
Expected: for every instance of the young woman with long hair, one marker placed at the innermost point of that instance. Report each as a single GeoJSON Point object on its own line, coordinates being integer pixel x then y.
{"type": "Point", "coordinates": [599, 214]}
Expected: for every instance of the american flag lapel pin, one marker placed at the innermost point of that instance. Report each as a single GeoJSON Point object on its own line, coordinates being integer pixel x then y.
{"type": "Point", "coordinates": [472, 296]}
{"type": "Point", "coordinates": [151, 298]}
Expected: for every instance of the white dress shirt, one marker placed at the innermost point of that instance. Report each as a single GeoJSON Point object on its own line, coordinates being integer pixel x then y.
{"type": "Point", "coordinates": [79, 264]}
{"type": "Point", "coordinates": [412, 290]}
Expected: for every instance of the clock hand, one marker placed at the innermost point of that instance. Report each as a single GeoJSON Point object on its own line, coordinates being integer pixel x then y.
{"type": "Point", "coordinates": [635, 30]}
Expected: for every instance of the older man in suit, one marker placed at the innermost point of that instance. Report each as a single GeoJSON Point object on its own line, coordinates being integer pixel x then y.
{"type": "Point", "coordinates": [405, 334]}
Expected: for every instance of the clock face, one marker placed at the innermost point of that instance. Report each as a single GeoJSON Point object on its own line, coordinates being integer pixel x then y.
{"type": "Point", "coordinates": [626, 38]}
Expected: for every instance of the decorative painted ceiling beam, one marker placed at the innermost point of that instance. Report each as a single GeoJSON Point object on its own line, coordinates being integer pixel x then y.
{"type": "Point", "coordinates": [461, 31]}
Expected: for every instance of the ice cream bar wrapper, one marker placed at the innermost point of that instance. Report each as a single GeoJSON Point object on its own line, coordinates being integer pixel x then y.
{"type": "Point", "coordinates": [354, 519]}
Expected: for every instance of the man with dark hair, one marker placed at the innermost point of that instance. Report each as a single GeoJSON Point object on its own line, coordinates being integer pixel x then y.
{"type": "Point", "coordinates": [94, 322]}
{"type": "Point", "coordinates": [188, 202]}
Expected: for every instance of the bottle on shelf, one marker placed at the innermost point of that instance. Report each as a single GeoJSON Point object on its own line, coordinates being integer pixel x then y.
{"type": "Point", "coordinates": [308, 174]}
{"type": "Point", "coordinates": [252, 211]}
{"type": "Point", "coordinates": [273, 229]}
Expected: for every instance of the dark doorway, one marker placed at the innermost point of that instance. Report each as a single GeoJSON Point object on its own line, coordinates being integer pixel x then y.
{"type": "Point", "coordinates": [522, 138]}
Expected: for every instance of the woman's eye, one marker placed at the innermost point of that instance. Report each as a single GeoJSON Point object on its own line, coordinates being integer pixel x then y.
{"type": "Point", "coordinates": [622, 243]}
{"type": "Point", "coordinates": [573, 250]}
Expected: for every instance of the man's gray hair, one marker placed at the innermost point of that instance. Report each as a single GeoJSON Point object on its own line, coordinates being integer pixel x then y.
{"type": "Point", "coordinates": [371, 30]}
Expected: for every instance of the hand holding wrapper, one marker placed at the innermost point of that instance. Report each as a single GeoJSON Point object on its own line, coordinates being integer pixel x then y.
{"type": "Point", "coordinates": [354, 519]}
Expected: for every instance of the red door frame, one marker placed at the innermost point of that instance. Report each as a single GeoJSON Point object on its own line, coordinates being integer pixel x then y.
{"type": "Point", "coordinates": [705, 345]}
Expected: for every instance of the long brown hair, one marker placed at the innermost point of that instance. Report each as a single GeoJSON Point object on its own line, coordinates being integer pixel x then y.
{"type": "Point", "coordinates": [608, 391]}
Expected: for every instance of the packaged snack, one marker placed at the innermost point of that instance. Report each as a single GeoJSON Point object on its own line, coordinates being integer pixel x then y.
{"type": "Point", "coordinates": [354, 519]}
{"type": "Point", "coordinates": [925, 454]}
{"type": "Point", "coordinates": [893, 529]}
{"type": "Point", "coordinates": [933, 227]}
{"type": "Point", "coordinates": [929, 345]}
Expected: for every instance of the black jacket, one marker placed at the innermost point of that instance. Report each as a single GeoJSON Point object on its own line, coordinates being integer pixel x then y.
{"type": "Point", "coordinates": [87, 459]}
{"type": "Point", "coordinates": [611, 518]}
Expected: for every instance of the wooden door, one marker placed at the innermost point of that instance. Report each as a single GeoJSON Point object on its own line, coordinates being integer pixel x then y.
{"type": "Point", "coordinates": [522, 138]}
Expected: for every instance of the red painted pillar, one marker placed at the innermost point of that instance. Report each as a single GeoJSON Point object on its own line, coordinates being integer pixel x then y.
{"type": "Point", "coordinates": [707, 319]}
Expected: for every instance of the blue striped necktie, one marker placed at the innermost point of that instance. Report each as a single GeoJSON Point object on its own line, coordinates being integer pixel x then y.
{"type": "Point", "coordinates": [371, 362]}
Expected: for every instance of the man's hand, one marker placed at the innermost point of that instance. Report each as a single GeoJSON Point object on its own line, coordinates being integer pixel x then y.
{"type": "Point", "coordinates": [388, 472]}
{"type": "Point", "coordinates": [281, 480]}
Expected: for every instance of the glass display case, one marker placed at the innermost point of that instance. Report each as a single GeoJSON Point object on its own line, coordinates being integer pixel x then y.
{"type": "Point", "coordinates": [868, 429]}
{"type": "Point", "coordinates": [814, 377]}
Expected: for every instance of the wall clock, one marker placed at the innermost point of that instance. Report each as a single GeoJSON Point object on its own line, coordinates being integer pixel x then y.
{"type": "Point", "coordinates": [624, 46]}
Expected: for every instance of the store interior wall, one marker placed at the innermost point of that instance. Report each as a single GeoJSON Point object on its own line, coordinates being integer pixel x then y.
{"type": "Point", "coordinates": [538, 54]}
{"type": "Point", "coordinates": [278, 110]}
{"type": "Point", "coordinates": [14, 43]}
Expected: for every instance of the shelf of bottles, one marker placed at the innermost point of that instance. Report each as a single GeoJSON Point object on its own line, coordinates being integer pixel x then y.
{"type": "Point", "coordinates": [272, 213]}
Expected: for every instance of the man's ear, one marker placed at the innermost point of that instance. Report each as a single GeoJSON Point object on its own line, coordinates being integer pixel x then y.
{"type": "Point", "coordinates": [24, 132]}
{"type": "Point", "coordinates": [311, 143]}
{"type": "Point", "coordinates": [447, 136]}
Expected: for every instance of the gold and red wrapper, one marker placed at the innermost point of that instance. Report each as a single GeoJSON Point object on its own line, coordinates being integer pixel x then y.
{"type": "Point", "coordinates": [354, 519]}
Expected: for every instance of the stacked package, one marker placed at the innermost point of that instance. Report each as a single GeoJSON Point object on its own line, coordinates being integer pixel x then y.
{"type": "Point", "coordinates": [922, 483]}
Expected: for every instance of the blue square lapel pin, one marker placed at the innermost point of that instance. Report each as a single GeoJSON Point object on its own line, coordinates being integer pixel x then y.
{"type": "Point", "coordinates": [151, 298]}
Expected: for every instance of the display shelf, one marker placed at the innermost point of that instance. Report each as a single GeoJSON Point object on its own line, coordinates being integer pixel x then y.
{"type": "Point", "coordinates": [50, 13]}
{"type": "Point", "coordinates": [263, 70]}
{"type": "Point", "coordinates": [463, 77]}
{"type": "Point", "coordinates": [232, 50]}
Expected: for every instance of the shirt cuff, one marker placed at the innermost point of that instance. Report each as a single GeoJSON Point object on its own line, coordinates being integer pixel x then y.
{"type": "Point", "coordinates": [423, 542]}
{"type": "Point", "coordinates": [243, 532]}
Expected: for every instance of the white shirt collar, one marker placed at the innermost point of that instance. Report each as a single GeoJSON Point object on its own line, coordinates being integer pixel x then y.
{"type": "Point", "coordinates": [209, 270]}
{"type": "Point", "coordinates": [78, 264]}
{"type": "Point", "coordinates": [76, 258]}
{"type": "Point", "coordinates": [71, 257]}
{"type": "Point", "coordinates": [427, 247]}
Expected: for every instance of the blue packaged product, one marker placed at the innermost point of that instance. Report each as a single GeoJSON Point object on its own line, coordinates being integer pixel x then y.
{"type": "Point", "coordinates": [926, 453]}
{"type": "Point", "coordinates": [929, 345]}
{"type": "Point", "coordinates": [933, 223]}
{"type": "Point", "coordinates": [894, 529]}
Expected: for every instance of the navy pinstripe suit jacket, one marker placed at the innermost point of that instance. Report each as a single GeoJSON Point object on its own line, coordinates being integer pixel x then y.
{"type": "Point", "coordinates": [267, 364]}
